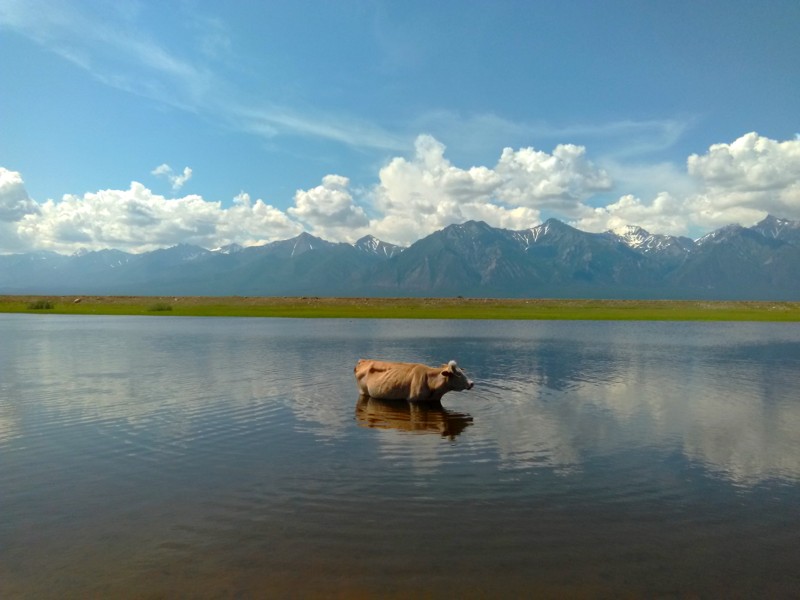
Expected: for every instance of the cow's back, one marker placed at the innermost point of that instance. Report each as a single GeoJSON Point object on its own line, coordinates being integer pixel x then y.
{"type": "Point", "coordinates": [390, 380]}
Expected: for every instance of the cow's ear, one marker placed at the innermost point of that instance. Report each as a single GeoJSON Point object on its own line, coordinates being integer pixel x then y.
{"type": "Point", "coordinates": [446, 373]}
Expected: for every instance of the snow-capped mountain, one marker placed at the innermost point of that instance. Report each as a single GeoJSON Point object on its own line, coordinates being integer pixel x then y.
{"type": "Point", "coordinates": [639, 239]}
{"type": "Point", "coordinates": [229, 249]}
{"type": "Point", "coordinates": [779, 229]}
{"type": "Point", "coordinates": [372, 245]}
{"type": "Point", "coordinates": [471, 259]}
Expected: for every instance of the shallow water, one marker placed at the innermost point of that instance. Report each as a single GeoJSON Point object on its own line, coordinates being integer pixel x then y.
{"type": "Point", "coordinates": [163, 457]}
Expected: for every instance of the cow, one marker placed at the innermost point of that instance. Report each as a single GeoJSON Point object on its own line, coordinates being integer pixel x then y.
{"type": "Point", "coordinates": [409, 381]}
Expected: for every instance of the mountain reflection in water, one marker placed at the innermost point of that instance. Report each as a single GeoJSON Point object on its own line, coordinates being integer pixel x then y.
{"type": "Point", "coordinates": [411, 417]}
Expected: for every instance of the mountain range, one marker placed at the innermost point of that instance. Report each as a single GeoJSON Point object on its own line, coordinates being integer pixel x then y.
{"type": "Point", "coordinates": [761, 262]}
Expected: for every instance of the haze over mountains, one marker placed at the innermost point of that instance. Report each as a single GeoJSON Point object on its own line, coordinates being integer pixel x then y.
{"type": "Point", "coordinates": [471, 259]}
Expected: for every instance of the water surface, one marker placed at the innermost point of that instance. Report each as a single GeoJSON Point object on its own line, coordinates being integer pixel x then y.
{"type": "Point", "coordinates": [163, 457]}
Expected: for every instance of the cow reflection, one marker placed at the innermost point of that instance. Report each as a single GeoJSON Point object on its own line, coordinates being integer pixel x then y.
{"type": "Point", "coordinates": [410, 416]}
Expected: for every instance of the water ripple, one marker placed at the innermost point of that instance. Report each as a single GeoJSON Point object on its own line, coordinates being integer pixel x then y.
{"type": "Point", "coordinates": [224, 458]}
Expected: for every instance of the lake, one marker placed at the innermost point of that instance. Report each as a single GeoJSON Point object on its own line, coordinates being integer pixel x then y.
{"type": "Point", "coordinates": [149, 457]}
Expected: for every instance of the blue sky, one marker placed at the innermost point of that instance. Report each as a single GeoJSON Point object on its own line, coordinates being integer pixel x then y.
{"type": "Point", "coordinates": [141, 124]}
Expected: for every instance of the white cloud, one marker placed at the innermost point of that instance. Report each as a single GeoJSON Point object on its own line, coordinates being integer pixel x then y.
{"type": "Point", "coordinates": [176, 181]}
{"type": "Point", "coordinates": [746, 179]}
{"type": "Point", "coordinates": [329, 209]}
{"type": "Point", "coordinates": [560, 181]}
{"type": "Point", "coordinates": [665, 214]}
{"type": "Point", "coordinates": [138, 220]}
{"type": "Point", "coordinates": [750, 163]}
{"type": "Point", "coordinates": [14, 200]}
{"type": "Point", "coordinates": [732, 183]}
{"type": "Point", "coordinates": [418, 196]}
{"type": "Point", "coordinates": [415, 197]}
{"type": "Point", "coordinates": [740, 182]}
{"type": "Point", "coordinates": [14, 205]}
{"type": "Point", "coordinates": [253, 223]}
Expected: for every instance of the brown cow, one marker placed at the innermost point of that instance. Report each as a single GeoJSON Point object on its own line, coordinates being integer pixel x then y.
{"type": "Point", "coordinates": [409, 381]}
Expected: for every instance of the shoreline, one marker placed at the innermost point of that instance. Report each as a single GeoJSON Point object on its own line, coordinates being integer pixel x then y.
{"type": "Point", "coordinates": [405, 308]}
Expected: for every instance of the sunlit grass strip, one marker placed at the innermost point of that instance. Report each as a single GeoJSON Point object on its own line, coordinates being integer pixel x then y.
{"type": "Point", "coordinates": [409, 308]}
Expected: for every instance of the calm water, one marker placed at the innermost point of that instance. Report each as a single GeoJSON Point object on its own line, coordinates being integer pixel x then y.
{"type": "Point", "coordinates": [163, 457]}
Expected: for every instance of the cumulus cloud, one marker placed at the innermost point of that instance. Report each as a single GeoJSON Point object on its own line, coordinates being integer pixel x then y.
{"type": "Point", "coordinates": [746, 179]}
{"type": "Point", "coordinates": [175, 180]}
{"type": "Point", "coordinates": [418, 196]}
{"type": "Point", "coordinates": [14, 200]}
{"type": "Point", "coordinates": [138, 220]}
{"type": "Point", "coordinates": [752, 162]}
{"type": "Point", "coordinates": [253, 223]}
{"type": "Point", "coordinates": [738, 182]}
{"type": "Point", "coordinates": [329, 209]}
{"type": "Point", "coordinates": [14, 205]}
{"type": "Point", "coordinates": [414, 197]}
{"type": "Point", "coordinates": [560, 181]}
{"type": "Point", "coordinates": [665, 214]}
{"type": "Point", "coordinates": [423, 194]}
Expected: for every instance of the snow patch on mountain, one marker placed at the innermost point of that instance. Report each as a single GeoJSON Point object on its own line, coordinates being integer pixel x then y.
{"type": "Point", "coordinates": [642, 240]}
{"type": "Point", "coordinates": [372, 245]}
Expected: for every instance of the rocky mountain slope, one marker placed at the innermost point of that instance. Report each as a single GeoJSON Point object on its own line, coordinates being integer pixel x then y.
{"type": "Point", "coordinates": [470, 259]}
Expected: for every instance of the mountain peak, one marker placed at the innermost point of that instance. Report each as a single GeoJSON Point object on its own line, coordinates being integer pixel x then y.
{"type": "Point", "coordinates": [780, 229]}
{"type": "Point", "coordinates": [642, 240]}
{"type": "Point", "coordinates": [472, 258]}
{"type": "Point", "coordinates": [305, 236]}
{"type": "Point", "coordinates": [720, 234]}
{"type": "Point", "coordinates": [471, 226]}
{"type": "Point", "coordinates": [178, 252]}
{"type": "Point", "coordinates": [229, 249]}
{"type": "Point", "coordinates": [466, 230]}
{"type": "Point", "coordinates": [552, 227]}
{"type": "Point", "coordinates": [630, 231]}
{"type": "Point", "coordinates": [305, 242]}
{"type": "Point", "coordinates": [632, 235]}
{"type": "Point", "coordinates": [372, 245]}
{"type": "Point", "coordinates": [772, 220]}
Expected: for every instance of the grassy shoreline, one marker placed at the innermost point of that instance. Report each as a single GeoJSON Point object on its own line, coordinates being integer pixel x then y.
{"type": "Point", "coordinates": [406, 308]}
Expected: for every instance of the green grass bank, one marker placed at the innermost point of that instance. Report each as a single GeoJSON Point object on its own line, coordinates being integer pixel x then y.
{"type": "Point", "coordinates": [405, 308]}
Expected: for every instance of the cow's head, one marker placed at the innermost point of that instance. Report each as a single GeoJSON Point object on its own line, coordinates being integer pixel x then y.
{"type": "Point", "coordinates": [457, 380]}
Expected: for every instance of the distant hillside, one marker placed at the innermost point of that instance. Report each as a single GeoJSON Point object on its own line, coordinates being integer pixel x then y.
{"type": "Point", "coordinates": [470, 259]}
